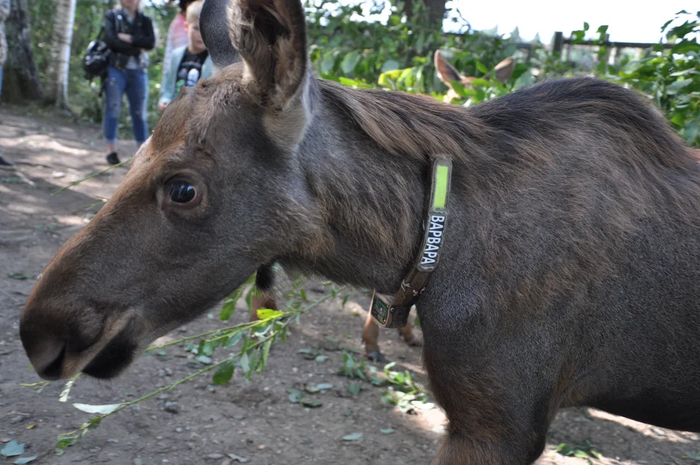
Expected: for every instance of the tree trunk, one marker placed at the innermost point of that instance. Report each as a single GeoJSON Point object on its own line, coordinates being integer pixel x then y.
{"type": "Point", "coordinates": [436, 11]}
{"type": "Point", "coordinates": [21, 80]}
{"type": "Point", "coordinates": [435, 8]}
{"type": "Point", "coordinates": [61, 38]}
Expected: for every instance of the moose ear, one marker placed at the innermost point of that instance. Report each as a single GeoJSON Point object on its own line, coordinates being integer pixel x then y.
{"type": "Point", "coordinates": [504, 70]}
{"type": "Point", "coordinates": [214, 26]}
{"type": "Point", "coordinates": [270, 36]}
{"type": "Point", "coordinates": [446, 72]}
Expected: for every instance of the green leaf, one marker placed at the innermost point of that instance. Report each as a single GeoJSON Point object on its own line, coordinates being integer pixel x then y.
{"type": "Point", "coordinates": [295, 395]}
{"type": "Point", "coordinates": [234, 339]}
{"type": "Point", "coordinates": [387, 78]}
{"type": "Point", "coordinates": [230, 304]}
{"type": "Point", "coordinates": [224, 374]}
{"type": "Point", "coordinates": [353, 437]}
{"type": "Point", "coordinates": [390, 65]}
{"type": "Point", "coordinates": [265, 352]}
{"type": "Point", "coordinates": [12, 449]}
{"type": "Point", "coordinates": [386, 431]}
{"type": "Point", "coordinates": [602, 29]}
{"type": "Point", "coordinates": [204, 359]}
{"type": "Point", "coordinates": [23, 460]}
{"type": "Point", "coordinates": [350, 61]}
{"type": "Point", "coordinates": [678, 85]}
{"type": "Point", "coordinates": [586, 26]}
{"type": "Point", "coordinates": [663, 28]}
{"type": "Point", "coordinates": [311, 403]}
{"type": "Point", "coordinates": [100, 409]}
{"type": "Point", "coordinates": [478, 82]}
{"type": "Point", "coordinates": [686, 46]}
{"type": "Point", "coordinates": [18, 276]}
{"type": "Point", "coordinates": [249, 299]}
{"type": "Point", "coordinates": [267, 314]}
{"type": "Point", "coordinates": [354, 389]}
{"type": "Point", "coordinates": [328, 62]}
{"type": "Point", "coordinates": [245, 363]}
{"type": "Point", "coordinates": [321, 359]}
{"type": "Point", "coordinates": [345, 300]}
{"type": "Point", "coordinates": [459, 88]}
{"type": "Point", "coordinates": [481, 67]}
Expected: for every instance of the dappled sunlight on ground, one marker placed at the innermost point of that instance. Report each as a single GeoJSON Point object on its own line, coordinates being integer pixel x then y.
{"type": "Point", "coordinates": [198, 420]}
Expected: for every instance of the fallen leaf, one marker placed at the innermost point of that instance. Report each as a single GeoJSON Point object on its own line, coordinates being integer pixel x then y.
{"type": "Point", "coordinates": [101, 409]}
{"type": "Point", "coordinates": [353, 437]}
{"type": "Point", "coordinates": [311, 403]}
{"type": "Point", "coordinates": [295, 395]}
{"type": "Point", "coordinates": [238, 458]}
{"type": "Point", "coordinates": [387, 431]}
{"type": "Point", "coordinates": [354, 388]}
{"type": "Point", "coordinates": [12, 449]}
{"type": "Point", "coordinates": [19, 276]}
{"type": "Point", "coordinates": [23, 460]}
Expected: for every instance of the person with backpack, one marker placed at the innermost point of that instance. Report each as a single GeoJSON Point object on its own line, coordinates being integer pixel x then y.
{"type": "Point", "coordinates": [188, 64]}
{"type": "Point", "coordinates": [177, 35]}
{"type": "Point", "coordinates": [129, 34]}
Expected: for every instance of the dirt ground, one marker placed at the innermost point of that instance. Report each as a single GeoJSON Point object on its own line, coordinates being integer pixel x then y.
{"type": "Point", "coordinates": [254, 421]}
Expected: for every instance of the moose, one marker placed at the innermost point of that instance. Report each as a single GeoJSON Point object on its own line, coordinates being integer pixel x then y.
{"type": "Point", "coordinates": [570, 263]}
{"type": "Point", "coordinates": [448, 74]}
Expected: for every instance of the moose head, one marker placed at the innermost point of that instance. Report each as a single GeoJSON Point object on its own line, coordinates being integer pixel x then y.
{"type": "Point", "coordinates": [215, 192]}
{"type": "Point", "coordinates": [448, 74]}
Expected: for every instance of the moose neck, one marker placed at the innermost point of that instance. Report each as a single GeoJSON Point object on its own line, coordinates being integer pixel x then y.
{"type": "Point", "coordinates": [366, 159]}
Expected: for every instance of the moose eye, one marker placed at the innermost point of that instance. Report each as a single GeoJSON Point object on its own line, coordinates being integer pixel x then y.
{"type": "Point", "coordinates": [181, 192]}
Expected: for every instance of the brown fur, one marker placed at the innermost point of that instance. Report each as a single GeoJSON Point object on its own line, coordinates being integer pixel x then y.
{"type": "Point", "coordinates": [569, 269]}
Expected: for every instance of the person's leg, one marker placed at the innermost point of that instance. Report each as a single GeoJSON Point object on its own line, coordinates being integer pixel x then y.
{"type": "Point", "coordinates": [137, 93]}
{"type": "Point", "coordinates": [3, 162]}
{"type": "Point", "coordinates": [114, 90]}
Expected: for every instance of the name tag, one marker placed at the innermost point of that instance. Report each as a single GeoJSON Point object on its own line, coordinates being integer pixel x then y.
{"type": "Point", "coordinates": [433, 241]}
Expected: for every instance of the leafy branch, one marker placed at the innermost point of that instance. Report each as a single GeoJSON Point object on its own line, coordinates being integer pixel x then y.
{"type": "Point", "coordinates": [257, 339]}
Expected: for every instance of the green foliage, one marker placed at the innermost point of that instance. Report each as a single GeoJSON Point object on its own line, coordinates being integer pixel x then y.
{"type": "Point", "coordinates": [403, 392]}
{"type": "Point", "coordinates": [347, 48]}
{"type": "Point", "coordinates": [253, 341]}
{"type": "Point", "coordinates": [583, 450]}
{"type": "Point", "coordinates": [672, 77]}
{"type": "Point", "coordinates": [351, 368]}
{"type": "Point", "coordinates": [358, 51]}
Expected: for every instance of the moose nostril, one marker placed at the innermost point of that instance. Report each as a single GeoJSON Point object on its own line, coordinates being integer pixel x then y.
{"type": "Point", "coordinates": [54, 369]}
{"type": "Point", "coordinates": [46, 351]}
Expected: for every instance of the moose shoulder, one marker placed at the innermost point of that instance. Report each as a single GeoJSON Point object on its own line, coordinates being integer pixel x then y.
{"type": "Point", "coordinates": [570, 267]}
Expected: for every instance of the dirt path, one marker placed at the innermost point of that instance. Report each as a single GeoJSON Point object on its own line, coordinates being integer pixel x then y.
{"type": "Point", "coordinates": [255, 420]}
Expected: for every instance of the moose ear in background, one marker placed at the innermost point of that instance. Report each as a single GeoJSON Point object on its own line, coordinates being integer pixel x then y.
{"type": "Point", "coordinates": [504, 70]}
{"type": "Point", "coordinates": [213, 23]}
{"type": "Point", "coordinates": [446, 72]}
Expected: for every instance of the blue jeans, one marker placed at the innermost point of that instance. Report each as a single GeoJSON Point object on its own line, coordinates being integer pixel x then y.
{"type": "Point", "coordinates": [135, 83]}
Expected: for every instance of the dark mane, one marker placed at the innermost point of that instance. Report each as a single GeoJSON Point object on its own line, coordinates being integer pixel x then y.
{"type": "Point", "coordinates": [506, 129]}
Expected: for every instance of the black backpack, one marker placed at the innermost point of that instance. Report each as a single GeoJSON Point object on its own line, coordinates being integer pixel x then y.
{"type": "Point", "coordinates": [96, 59]}
{"type": "Point", "coordinates": [97, 56]}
